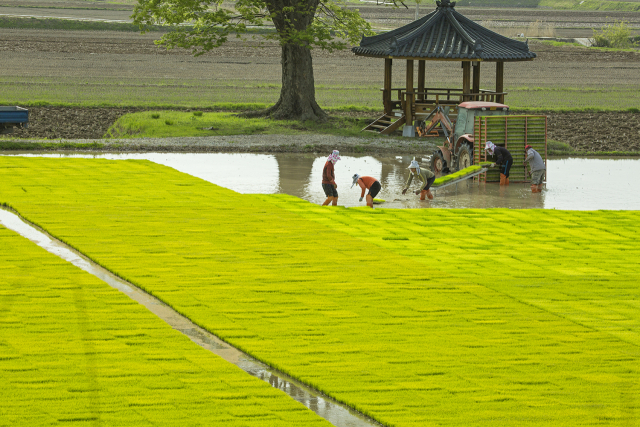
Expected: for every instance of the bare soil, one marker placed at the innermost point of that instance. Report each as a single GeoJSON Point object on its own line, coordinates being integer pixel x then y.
{"type": "Point", "coordinates": [126, 54]}
{"type": "Point", "coordinates": [70, 42]}
{"type": "Point", "coordinates": [604, 131]}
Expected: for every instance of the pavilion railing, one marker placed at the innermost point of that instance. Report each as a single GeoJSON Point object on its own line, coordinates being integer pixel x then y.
{"type": "Point", "coordinates": [424, 101]}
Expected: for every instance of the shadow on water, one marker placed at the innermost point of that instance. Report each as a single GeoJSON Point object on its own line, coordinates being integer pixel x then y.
{"type": "Point", "coordinates": [328, 409]}
{"type": "Point", "coordinates": [572, 184]}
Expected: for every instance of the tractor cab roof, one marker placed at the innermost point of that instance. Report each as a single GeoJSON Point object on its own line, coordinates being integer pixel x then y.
{"type": "Point", "coordinates": [476, 105]}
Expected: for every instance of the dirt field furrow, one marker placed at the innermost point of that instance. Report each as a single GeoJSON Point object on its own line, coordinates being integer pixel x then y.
{"type": "Point", "coordinates": [123, 68]}
{"type": "Point", "coordinates": [582, 131]}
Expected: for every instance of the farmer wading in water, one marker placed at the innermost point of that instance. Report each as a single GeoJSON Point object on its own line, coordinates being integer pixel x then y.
{"type": "Point", "coordinates": [503, 160]}
{"type": "Point", "coordinates": [367, 183]}
{"type": "Point", "coordinates": [329, 179]}
{"type": "Point", "coordinates": [424, 175]}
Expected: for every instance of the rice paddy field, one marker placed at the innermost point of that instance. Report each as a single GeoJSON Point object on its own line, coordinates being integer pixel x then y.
{"type": "Point", "coordinates": [74, 351]}
{"type": "Point", "coordinates": [414, 317]}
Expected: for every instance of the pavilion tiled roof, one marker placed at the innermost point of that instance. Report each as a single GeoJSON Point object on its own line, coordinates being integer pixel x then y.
{"type": "Point", "coordinates": [444, 34]}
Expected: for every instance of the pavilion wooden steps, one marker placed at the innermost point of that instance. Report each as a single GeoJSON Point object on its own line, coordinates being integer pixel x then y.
{"type": "Point", "coordinates": [386, 124]}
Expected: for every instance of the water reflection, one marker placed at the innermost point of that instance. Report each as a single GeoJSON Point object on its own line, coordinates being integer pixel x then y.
{"type": "Point", "coordinates": [573, 184]}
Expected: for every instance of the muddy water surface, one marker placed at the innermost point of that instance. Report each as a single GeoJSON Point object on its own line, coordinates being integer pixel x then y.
{"type": "Point", "coordinates": [573, 184]}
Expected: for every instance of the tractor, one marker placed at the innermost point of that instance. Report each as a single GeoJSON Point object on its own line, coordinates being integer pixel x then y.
{"type": "Point", "coordinates": [456, 152]}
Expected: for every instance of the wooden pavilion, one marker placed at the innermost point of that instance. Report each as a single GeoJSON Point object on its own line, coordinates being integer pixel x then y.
{"type": "Point", "coordinates": [442, 35]}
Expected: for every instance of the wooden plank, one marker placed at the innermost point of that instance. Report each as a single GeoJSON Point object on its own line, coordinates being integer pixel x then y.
{"type": "Point", "coordinates": [408, 107]}
{"type": "Point", "coordinates": [421, 77]}
{"type": "Point", "coordinates": [466, 80]}
{"type": "Point", "coordinates": [476, 77]}
{"type": "Point", "coordinates": [395, 126]}
{"type": "Point", "coordinates": [386, 91]}
{"type": "Point", "coordinates": [500, 81]}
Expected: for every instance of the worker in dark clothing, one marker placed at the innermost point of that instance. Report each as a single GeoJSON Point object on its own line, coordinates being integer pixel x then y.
{"type": "Point", "coordinates": [329, 179]}
{"type": "Point", "coordinates": [503, 160]}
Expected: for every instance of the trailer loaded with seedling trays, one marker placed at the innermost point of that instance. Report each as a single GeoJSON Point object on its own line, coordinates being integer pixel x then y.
{"type": "Point", "coordinates": [13, 117]}
{"type": "Point", "coordinates": [512, 133]}
{"type": "Point", "coordinates": [478, 122]}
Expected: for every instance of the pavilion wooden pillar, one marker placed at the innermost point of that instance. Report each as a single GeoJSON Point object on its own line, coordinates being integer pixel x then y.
{"type": "Point", "coordinates": [500, 81]}
{"type": "Point", "coordinates": [421, 77]}
{"type": "Point", "coordinates": [466, 80]}
{"type": "Point", "coordinates": [386, 91]}
{"type": "Point", "coordinates": [408, 105]}
{"type": "Point", "coordinates": [476, 79]}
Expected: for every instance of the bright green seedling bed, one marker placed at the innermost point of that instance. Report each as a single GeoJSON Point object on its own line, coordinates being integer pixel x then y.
{"type": "Point", "coordinates": [456, 175]}
{"type": "Point", "coordinates": [416, 317]}
{"type": "Point", "coordinates": [74, 351]}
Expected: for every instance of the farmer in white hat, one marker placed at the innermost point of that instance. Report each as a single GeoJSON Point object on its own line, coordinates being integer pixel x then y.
{"type": "Point", "coordinates": [367, 183]}
{"type": "Point", "coordinates": [424, 175]}
{"type": "Point", "coordinates": [503, 160]}
{"type": "Point", "coordinates": [329, 179]}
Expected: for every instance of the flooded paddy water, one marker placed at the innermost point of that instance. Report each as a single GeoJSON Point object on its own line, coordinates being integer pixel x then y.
{"type": "Point", "coordinates": [573, 183]}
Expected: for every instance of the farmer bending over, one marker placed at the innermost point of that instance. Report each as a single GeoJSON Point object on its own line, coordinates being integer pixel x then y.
{"type": "Point", "coordinates": [504, 160]}
{"type": "Point", "coordinates": [537, 168]}
{"type": "Point", "coordinates": [426, 177]}
{"type": "Point", "coordinates": [329, 179]}
{"type": "Point", "coordinates": [370, 183]}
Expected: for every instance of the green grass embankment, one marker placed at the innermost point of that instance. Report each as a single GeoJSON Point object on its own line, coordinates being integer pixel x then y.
{"type": "Point", "coordinates": [70, 24]}
{"type": "Point", "coordinates": [456, 317]}
{"type": "Point", "coordinates": [161, 124]}
{"type": "Point", "coordinates": [74, 351]}
{"type": "Point", "coordinates": [204, 94]}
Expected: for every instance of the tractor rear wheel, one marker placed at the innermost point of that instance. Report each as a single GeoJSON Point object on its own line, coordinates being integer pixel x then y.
{"type": "Point", "coordinates": [438, 163]}
{"type": "Point", "coordinates": [465, 157]}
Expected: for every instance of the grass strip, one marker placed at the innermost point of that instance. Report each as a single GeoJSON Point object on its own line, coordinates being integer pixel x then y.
{"type": "Point", "coordinates": [579, 46]}
{"type": "Point", "coordinates": [208, 94]}
{"type": "Point", "coordinates": [71, 24]}
{"type": "Point", "coordinates": [619, 6]}
{"type": "Point", "coordinates": [16, 144]}
{"type": "Point", "coordinates": [593, 5]}
{"type": "Point", "coordinates": [162, 124]}
{"type": "Point", "coordinates": [537, 323]}
{"type": "Point", "coordinates": [74, 350]}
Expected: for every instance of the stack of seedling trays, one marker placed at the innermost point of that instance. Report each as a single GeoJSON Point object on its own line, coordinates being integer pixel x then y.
{"type": "Point", "coordinates": [513, 133]}
{"type": "Point", "coordinates": [461, 175]}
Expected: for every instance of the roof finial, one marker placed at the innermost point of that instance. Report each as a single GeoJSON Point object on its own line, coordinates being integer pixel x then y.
{"type": "Point", "coordinates": [445, 3]}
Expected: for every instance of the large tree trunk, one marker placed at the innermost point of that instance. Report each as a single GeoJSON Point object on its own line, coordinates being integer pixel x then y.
{"type": "Point", "coordinates": [298, 94]}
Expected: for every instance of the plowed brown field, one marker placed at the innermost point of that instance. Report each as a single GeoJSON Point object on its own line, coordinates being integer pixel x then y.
{"type": "Point", "coordinates": [103, 64]}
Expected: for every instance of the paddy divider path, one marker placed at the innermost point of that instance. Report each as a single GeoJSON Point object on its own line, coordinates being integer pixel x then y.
{"type": "Point", "coordinates": [322, 405]}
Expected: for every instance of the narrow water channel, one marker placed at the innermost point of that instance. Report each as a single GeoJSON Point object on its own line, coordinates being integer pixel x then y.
{"type": "Point", "coordinates": [337, 414]}
{"type": "Point", "coordinates": [572, 184]}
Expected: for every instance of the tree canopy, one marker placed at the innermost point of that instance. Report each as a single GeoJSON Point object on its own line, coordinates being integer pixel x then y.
{"type": "Point", "coordinates": [299, 26]}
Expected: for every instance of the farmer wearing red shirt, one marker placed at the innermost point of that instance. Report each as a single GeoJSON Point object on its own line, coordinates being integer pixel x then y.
{"type": "Point", "coordinates": [370, 183]}
{"type": "Point", "coordinates": [329, 179]}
